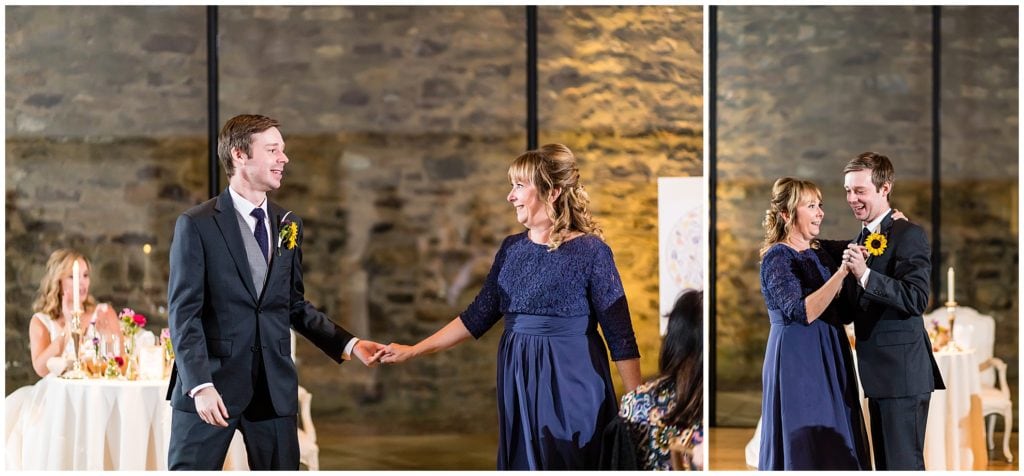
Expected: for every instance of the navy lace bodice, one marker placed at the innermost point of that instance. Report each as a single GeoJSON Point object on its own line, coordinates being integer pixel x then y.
{"type": "Point", "coordinates": [577, 279]}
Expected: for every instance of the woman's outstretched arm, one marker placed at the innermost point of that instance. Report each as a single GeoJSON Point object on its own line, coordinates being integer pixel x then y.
{"type": "Point", "coordinates": [449, 336]}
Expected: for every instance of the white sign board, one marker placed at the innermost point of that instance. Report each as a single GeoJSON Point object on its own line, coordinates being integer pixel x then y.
{"type": "Point", "coordinates": [681, 236]}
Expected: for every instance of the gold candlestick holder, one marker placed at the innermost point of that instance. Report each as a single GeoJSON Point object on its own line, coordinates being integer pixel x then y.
{"type": "Point", "coordinates": [951, 315]}
{"type": "Point", "coordinates": [75, 372]}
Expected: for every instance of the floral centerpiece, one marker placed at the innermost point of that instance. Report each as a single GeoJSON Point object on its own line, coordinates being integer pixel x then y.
{"type": "Point", "coordinates": [114, 364]}
{"type": "Point", "coordinates": [939, 335]}
{"type": "Point", "coordinates": [131, 324]}
{"type": "Point", "coordinates": [165, 340]}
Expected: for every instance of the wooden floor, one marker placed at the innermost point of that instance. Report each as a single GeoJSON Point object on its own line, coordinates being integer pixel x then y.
{"type": "Point", "coordinates": [726, 450]}
{"type": "Point", "coordinates": [344, 446]}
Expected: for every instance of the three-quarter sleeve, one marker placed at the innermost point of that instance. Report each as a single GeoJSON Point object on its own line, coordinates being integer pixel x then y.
{"type": "Point", "coordinates": [485, 310]}
{"type": "Point", "coordinates": [781, 286]}
{"type": "Point", "coordinates": [608, 302]}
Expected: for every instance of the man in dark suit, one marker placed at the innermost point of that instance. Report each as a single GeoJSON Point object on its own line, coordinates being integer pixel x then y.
{"type": "Point", "coordinates": [889, 290]}
{"type": "Point", "coordinates": [235, 291]}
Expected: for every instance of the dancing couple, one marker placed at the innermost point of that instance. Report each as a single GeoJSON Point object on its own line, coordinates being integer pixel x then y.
{"type": "Point", "coordinates": [236, 290]}
{"type": "Point", "coordinates": [811, 412]}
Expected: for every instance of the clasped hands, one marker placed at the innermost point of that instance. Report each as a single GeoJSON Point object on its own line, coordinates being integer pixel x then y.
{"type": "Point", "coordinates": [855, 256]}
{"type": "Point", "coordinates": [855, 259]}
{"type": "Point", "coordinates": [371, 353]}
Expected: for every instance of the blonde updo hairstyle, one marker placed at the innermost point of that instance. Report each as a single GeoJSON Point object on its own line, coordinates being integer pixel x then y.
{"type": "Point", "coordinates": [50, 295]}
{"type": "Point", "coordinates": [551, 167]}
{"type": "Point", "coordinates": [787, 193]}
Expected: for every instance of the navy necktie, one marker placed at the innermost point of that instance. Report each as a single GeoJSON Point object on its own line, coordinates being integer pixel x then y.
{"type": "Point", "coordinates": [860, 239]}
{"type": "Point", "coordinates": [261, 231]}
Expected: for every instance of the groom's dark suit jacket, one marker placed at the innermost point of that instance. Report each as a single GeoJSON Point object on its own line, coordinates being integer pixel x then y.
{"type": "Point", "coordinates": [215, 310]}
{"type": "Point", "coordinates": [894, 354]}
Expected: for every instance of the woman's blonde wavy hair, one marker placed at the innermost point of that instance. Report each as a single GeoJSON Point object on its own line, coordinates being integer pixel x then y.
{"type": "Point", "coordinates": [786, 196]}
{"type": "Point", "coordinates": [50, 295]}
{"type": "Point", "coordinates": [553, 166]}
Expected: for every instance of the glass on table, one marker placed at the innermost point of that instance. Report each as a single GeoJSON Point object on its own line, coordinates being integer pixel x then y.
{"type": "Point", "coordinates": [89, 352]}
{"type": "Point", "coordinates": [112, 350]}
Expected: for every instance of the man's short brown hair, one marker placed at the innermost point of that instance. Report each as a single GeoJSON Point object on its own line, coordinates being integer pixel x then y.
{"type": "Point", "coordinates": [237, 133]}
{"type": "Point", "coordinates": [879, 165]}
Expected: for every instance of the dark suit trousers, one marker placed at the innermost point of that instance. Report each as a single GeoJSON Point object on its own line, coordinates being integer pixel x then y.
{"type": "Point", "coordinates": [271, 442]}
{"type": "Point", "coordinates": [897, 431]}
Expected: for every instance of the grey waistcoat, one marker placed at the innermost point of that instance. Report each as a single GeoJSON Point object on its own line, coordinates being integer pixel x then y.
{"type": "Point", "coordinates": [257, 264]}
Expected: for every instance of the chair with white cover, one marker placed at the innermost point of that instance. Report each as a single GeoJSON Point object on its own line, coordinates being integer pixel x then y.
{"type": "Point", "coordinates": [977, 331]}
{"type": "Point", "coordinates": [309, 452]}
{"type": "Point", "coordinates": [996, 401]}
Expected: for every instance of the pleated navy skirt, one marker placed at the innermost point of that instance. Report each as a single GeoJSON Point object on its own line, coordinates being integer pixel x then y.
{"type": "Point", "coordinates": [555, 394]}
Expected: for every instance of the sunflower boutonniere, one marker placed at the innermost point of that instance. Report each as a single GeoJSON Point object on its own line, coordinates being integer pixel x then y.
{"type": "Point", "coordinates": [288, 235]}
{"type": "Point", "coordinates": [875, 243]}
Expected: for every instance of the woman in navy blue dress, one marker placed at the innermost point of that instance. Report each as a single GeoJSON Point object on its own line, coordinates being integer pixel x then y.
{"type": "Point", "coordinates": [810, 411]}
{"type": "Point", "coordinates": [553, 284]}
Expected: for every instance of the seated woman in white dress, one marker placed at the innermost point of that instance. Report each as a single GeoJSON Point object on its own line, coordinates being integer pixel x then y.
{"type": "Point", "coordinates": [49, 329]}
{"type": "Point", "coordinates": [51, 344]}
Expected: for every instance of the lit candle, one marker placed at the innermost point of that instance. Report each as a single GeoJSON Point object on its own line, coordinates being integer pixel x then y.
{"type": "Point", "coordinates": [75, 271]}
{"type": "Point", "coordinates": [146, 250]}
{"type": "Point", "coordinates": [951, 278]}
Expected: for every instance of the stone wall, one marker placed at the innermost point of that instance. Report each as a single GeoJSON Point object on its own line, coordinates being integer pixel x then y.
{"type": "Point", "coordinates": [980, 168]}
{"type": "Point", "coordinates": [105, 125]}
{"type": "Point", "coordinates": [802, 90]}
{"type": "Point", "coordinates": [400, 124]}
{"type": "Point", "coordinates": [621, 86]}
{"type": "Point", "coordinates": [101, 72]}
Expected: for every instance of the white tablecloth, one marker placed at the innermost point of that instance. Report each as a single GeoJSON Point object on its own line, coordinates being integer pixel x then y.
{"type": "Point", "coordinates": [91, 424]}
{"type": "Point", "coordinates": [955, 436]}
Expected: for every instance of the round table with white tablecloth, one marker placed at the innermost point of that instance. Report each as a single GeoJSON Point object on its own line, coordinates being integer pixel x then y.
{"type": "Point", "coordinates": [91, 424]}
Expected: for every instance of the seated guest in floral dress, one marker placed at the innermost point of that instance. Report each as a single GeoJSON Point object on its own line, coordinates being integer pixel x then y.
{"type": "Point", "coordinates": [667, 411]}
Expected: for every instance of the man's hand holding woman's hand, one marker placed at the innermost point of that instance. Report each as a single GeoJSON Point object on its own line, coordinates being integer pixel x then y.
{"type": "Point", "coordinates": [368, 352]}
{"type": "Point", "coordinates": [395, 353]}
{"type": "Point", "coordinates": [855, 259]}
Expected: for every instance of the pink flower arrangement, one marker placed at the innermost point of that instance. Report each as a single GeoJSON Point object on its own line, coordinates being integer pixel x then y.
{"type": "Point", "coordinates": [131, 322]}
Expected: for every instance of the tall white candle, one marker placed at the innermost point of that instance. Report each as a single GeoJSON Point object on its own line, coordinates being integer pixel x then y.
{"type": "Point", "coordinates": [75, 272]}
{"type": "Point", "coordinates": [951, 278]}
